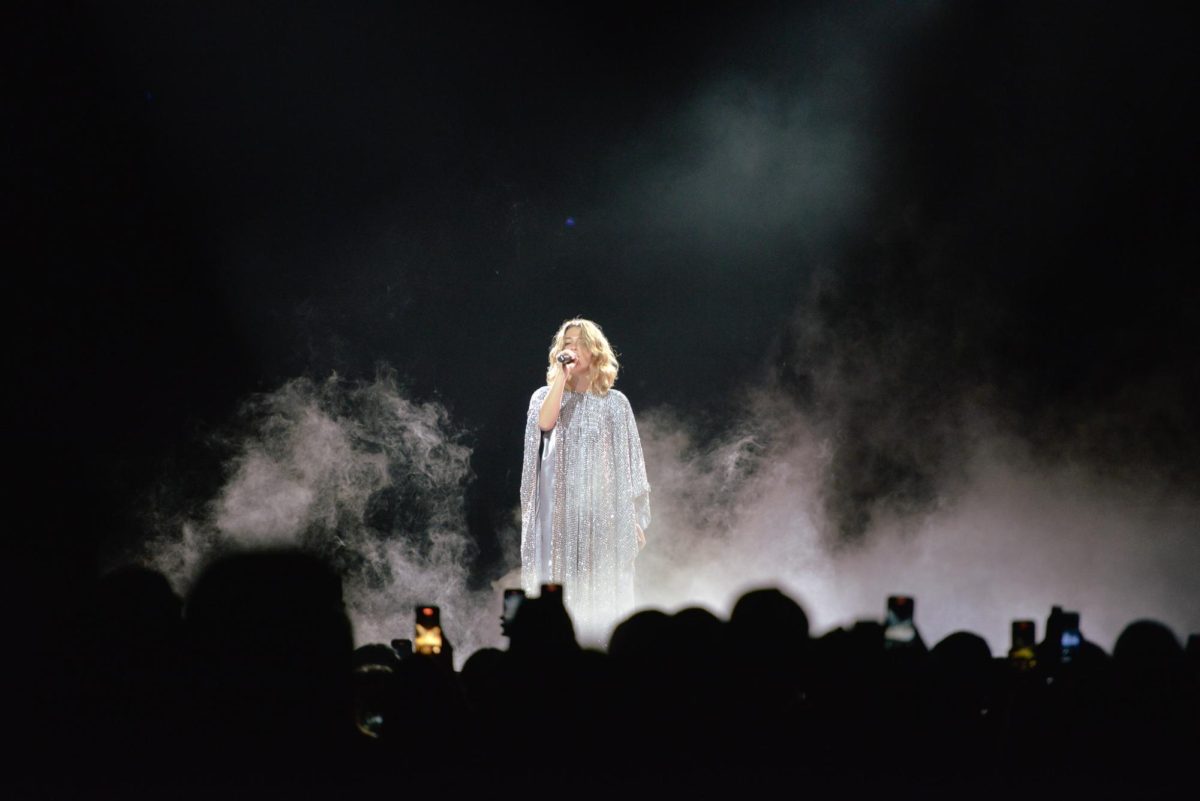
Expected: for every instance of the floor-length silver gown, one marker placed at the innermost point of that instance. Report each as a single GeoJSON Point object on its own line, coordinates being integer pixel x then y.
{"type": "Point", "coordinates": [583, 487]}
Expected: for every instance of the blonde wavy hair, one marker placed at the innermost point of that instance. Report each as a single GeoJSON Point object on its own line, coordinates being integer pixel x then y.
{"type": "Point", "coordinates": [604, 359]}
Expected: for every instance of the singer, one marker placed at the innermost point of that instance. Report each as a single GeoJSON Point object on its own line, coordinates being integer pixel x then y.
{"type": "Point", "coordinates": [585, 499]}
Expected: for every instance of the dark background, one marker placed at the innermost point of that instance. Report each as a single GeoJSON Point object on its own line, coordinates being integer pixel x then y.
{"type": "Point", "coordinates": [203, 202]}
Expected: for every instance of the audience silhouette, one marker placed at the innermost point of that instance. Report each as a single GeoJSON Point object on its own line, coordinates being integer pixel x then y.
{"type": "Point", "coordinates": [253, 687]}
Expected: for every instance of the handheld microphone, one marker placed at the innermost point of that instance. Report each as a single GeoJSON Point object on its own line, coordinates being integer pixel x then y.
{"type": "Point", "coordinates": [565, 358]}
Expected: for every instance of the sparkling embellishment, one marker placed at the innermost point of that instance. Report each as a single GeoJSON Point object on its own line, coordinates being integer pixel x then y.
{"type": "Point", "coordinates": [600, 491]}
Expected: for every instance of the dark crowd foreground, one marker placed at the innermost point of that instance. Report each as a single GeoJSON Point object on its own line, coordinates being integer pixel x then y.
{"type": "Point", "coordinates": [252, 688]}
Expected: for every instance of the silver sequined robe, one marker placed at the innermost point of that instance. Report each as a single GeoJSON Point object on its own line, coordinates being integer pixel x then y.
{"type": "Point", "coordinates": [583, 487]}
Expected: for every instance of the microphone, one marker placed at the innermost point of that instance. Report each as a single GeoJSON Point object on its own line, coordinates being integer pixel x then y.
{"type": "Point", "coordinates": [565, 358]}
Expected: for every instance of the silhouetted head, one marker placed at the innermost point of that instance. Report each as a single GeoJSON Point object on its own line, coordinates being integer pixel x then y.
{"type": "Point", "coordinates": [270, 646]}
{"type": "Point", "coordinates": [272, 606]}
{"type": "Point", "coordinates": [962, 653]}
{"type": "Point", "coordinates": [640, 636]}
{"type": "Point", "coordinates": [698, 629]}
{"type": "Point", "coordinates": [768, 619]}
{"type": "Point", "coordinates": [766, 649]}
{"type": "Point", "coordinates": [484, 662]}
{"type": "Point", "coordinates": [960, 666]}
{"type": "Point", "coordinates": [542, 626]}
{"type": "Point", "coordinates": [1147, 651]}
{"type": "Point", "coordinates": [483, 679]}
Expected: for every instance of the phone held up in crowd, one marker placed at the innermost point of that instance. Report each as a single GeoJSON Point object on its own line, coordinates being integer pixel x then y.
{"type": "Point", "coordinates": [428, 639]}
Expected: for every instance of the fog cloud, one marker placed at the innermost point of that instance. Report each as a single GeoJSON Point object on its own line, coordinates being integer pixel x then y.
{"type": "Point", "coordinates": [356, 472]}
{"type": "Point", "coordinates": [1013, 537]}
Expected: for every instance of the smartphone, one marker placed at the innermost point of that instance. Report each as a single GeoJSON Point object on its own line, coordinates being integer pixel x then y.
{"type": "Point", "coordinates": [1024, 640]}
{"type": "Point", "coordinates": [428, 639]}
{"type": "Point", "coordinates": [512, 602]}
{"type": "Point", "coordinates": [1070, 639]}
{"type": "Point", "coordinates": [898, 628]}
{"type": "Point", "coordinates": [553, 591]}
{"type": "Point", "coordinates": [1024, 636]}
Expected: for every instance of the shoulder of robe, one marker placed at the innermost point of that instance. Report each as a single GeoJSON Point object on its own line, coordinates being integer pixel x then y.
{"type": "Point", "coordinates": [620, 400]}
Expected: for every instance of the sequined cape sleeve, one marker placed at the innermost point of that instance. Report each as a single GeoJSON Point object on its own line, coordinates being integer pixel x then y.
{"type": "Point", "coordinates": [600, 493]}
{"type": "Point", "coordinates": [529, 479]}
{"type": "Point", "coordinates": [637, 468]}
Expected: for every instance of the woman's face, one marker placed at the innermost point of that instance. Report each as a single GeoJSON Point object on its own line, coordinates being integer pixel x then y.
{"type": "Point", "coordinates": [583, 358]}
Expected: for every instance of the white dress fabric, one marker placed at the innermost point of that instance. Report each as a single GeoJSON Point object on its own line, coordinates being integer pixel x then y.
{"type": "Point", "coordinates": [583, 487]}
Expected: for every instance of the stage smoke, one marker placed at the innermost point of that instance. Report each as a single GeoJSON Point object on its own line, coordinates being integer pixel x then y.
{"type": "Point", "coordinates": [1009, 537]}
{"type": "Point", "coordinates": [360, 474]}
